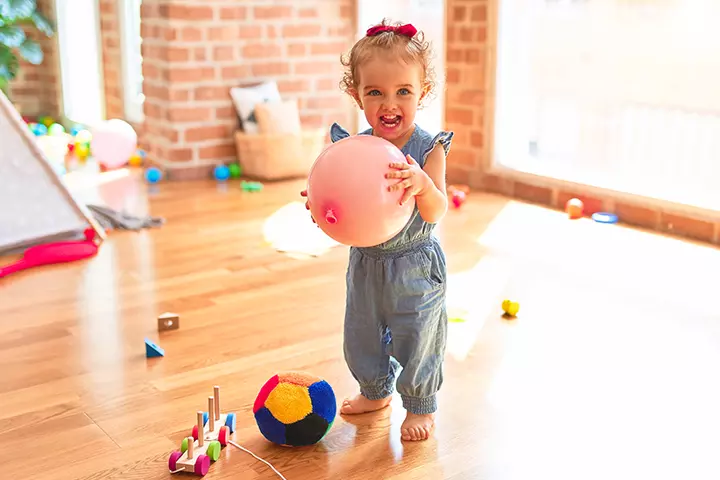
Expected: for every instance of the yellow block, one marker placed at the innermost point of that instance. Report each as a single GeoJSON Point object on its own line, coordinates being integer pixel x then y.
{"type": "Point", "coordinates": [289, 403]}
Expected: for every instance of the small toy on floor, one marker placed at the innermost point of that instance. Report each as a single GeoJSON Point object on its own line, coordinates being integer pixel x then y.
{"type": "Point", "coordinates": [251, 186]}
{"type": "Point", "coordinates": [295, 409]}
{"type": "Point", "coordinates": [168, 321]}
{"type": "Point", "coordinates": [212, 431]}
{"type": "Point", "coordinates": [510, 308]}
{"type": "Point", "coordinates": [457, 194]}
{"type": "Point", "coordinates": [153, 350]}
{"type": "Point", "coordinates": [605, 217]}
{"type": "Point", "coordinates": [221, 173]}
{"type": "Point", "coordinates": [574, 208]}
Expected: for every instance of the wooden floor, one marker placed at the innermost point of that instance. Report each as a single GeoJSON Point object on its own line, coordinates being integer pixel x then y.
{"type": "Point", "coordinates": [611, 370]}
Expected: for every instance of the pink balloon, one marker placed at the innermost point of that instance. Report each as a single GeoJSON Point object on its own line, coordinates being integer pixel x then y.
{"type": "Point", "coordinates": [113, 143]}
{"type": "Point", "coordinates": [348, 192]}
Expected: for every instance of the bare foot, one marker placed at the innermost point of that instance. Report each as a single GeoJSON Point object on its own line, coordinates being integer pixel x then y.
{"type": "Point", "coordinates": [360, 404]}
{"type": "Point", "coordinates": [417, 427]}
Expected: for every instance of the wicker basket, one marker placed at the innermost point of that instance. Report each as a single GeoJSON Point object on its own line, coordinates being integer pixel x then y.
{"type": "Point", "coordinates": [279, 156]}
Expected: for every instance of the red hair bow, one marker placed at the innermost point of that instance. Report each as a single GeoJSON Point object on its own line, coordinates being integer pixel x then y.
{"type": "Point", "coordinates": [408, 30]}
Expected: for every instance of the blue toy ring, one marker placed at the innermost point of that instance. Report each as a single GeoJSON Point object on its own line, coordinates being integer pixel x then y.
{"type": "Point", "coordinates": [605, 217]}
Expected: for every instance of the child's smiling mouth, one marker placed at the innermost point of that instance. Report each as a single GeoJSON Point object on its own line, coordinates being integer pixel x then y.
{"type": "Point", "coordinates": [390, 121]}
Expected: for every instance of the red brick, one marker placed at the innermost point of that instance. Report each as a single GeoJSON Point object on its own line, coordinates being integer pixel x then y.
{"type": "Point", "coordinates": [177, 54]}
{"type": "Point", "coordinates": [320, 103]}
{"type": "Point", "coordinates": [458, 14]}
{"type": "Point", "coordinates": [217, 152]}
{"type": "Point", "coordinates": [479, 13]}
{"type": "Point", "coordinates": [191, 34]}
{"type": "Point", "coordinates": [200, 54]}
{"type": "Point", "coordinates": [211, 93]}
{"type": "Point", "coordinates": [497, 184]}
{"type": "Point", "coordinates": [686, 226]}
{"type": "Point", "coordinates": [294, 86]}
{"type": "Point", "coordinates": [261, 50]}
{"type": "Point", "coordinates": [233, 13]}
{"type": "Point", "coordinates": [455, 55]}
{"type": "Point", "coordinates": [211, 132]}
{"type": "Point", "coordinates": [282, 12]}
{"type": "Point", "coordinates": [223, 53]}
{"type": "Point", "coordinates": [190, 74]}
{"type": "Point", "coordinates": [334, 48]}
{"type": "Point", "coordinates": [476, 139]}
{"type": "Point", "coordinates": [314, 67]}
{"type": "Point", "coordinates": [235, 72]}
{"type": "Point", "coordinates": [186, 12]}
{"type": "Point", "coordinates": [453, 75]}
{"type": "Point", "coordinates": [296, 49]}
{"type": "Point", "coordinates": [293, 31]}
{"type": "Point", "coordinates": [459, 115]}
{"type": "Point", "coordinates": [190, 114]}
{"type": "Point", "coordinates": [180, 154]}
{"type": "Point", "coordinates": [179, 95]}
{"type": "Point", "coordinates": [308, 12]}
{"type": "Point", "coordinates": [327, 84]}
{"type": "Point", "coordinates": [637, 216]}
{"type": "Point", "coordinates": [225, 113]}
{"type": "Point", "coordinates": [533, 193]}
{"type": "Point", "coordinates": [270, 69]}
{"type": "Point", "coordinates": [462, 157]}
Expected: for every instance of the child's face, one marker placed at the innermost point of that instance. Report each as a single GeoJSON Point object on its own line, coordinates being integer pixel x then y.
{"type": "Point", "coordinates": [389, 92]}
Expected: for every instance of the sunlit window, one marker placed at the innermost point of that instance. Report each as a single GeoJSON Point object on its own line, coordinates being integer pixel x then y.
{"type": "Point", "coordinates": [621, 94]}
{"type": "Point", "coordinates": [132, 60]}
{"type": "Point", "coordinates": [78, 28]}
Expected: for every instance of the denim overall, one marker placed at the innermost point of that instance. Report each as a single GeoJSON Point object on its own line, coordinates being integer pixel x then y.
{"type": "Point", "coordinates": [395, 309]}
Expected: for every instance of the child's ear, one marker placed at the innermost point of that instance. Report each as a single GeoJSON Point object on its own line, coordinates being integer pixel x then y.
{"type": "Point", "coordinates": [424, 93]}
{"type": "Point", "coordinates": [356, 96]}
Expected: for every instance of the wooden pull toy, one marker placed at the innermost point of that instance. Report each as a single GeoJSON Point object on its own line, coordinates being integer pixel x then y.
{"type": "Point", "coordinates": [211, 432]}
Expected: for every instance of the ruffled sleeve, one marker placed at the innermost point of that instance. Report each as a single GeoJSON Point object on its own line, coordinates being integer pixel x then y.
{"type": "Point", "coordinates": [338, 133]}
{"type": "Point", "coordinates": [443, 138]}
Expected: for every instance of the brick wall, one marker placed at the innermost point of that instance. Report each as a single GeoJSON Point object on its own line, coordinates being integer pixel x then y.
{"type": "Point", "coordinates": [112, 61]}
{"type": "Point", "coordinates": [36, 89]}
{"type": "Point", "coordinates": [195, 51]}
{"type": "Point", "coordinates": [467, 86]}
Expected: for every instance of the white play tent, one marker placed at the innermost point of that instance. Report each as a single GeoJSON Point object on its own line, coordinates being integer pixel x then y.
{"type": "Point", "coordinates": [35, 205]}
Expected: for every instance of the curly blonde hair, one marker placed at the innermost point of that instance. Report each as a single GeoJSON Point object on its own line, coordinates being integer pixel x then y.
{"type": "Point", "coordinates": [415, 49]}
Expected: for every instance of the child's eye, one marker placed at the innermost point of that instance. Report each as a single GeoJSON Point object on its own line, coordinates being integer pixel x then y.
{"type": "Point", "coordinates": [374, 92]}
{"type": "Point", "coordinates": [404, 91]}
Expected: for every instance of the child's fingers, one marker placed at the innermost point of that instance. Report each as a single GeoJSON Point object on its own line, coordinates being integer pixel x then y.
{"type": "Point", "coordinates": [399, 165]}
{"type": "Point", "coordinates": [406, 196]}
{"type": "Point", "coordinates": [404, 184]}
{"type": "Point", "coordinates": [399, 174]}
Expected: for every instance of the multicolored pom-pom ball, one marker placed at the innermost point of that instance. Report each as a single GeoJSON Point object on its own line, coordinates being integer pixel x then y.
{"type": "Point", "coordinates": [295, 409]}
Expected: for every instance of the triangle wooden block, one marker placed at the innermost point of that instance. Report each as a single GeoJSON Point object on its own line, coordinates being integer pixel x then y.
{"type": "Point", "coordinates": [153, 350]}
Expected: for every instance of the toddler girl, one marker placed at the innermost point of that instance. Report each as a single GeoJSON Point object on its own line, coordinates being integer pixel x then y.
{"type": "Point", "coordinates": [395, 308]}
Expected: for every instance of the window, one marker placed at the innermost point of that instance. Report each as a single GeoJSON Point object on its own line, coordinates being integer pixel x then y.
{"type": "Point", "coordinates": [78, 27]}
{"type": "Point", "coordinates": [131, 44]}
{"type": "Point", "coordinates": [620, 94]}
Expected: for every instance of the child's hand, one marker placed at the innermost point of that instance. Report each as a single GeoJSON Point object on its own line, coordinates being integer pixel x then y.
{"type": "Point", "coordinates": [415, 182]}
{"type": "Point", "coordinates": [307, 204]}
